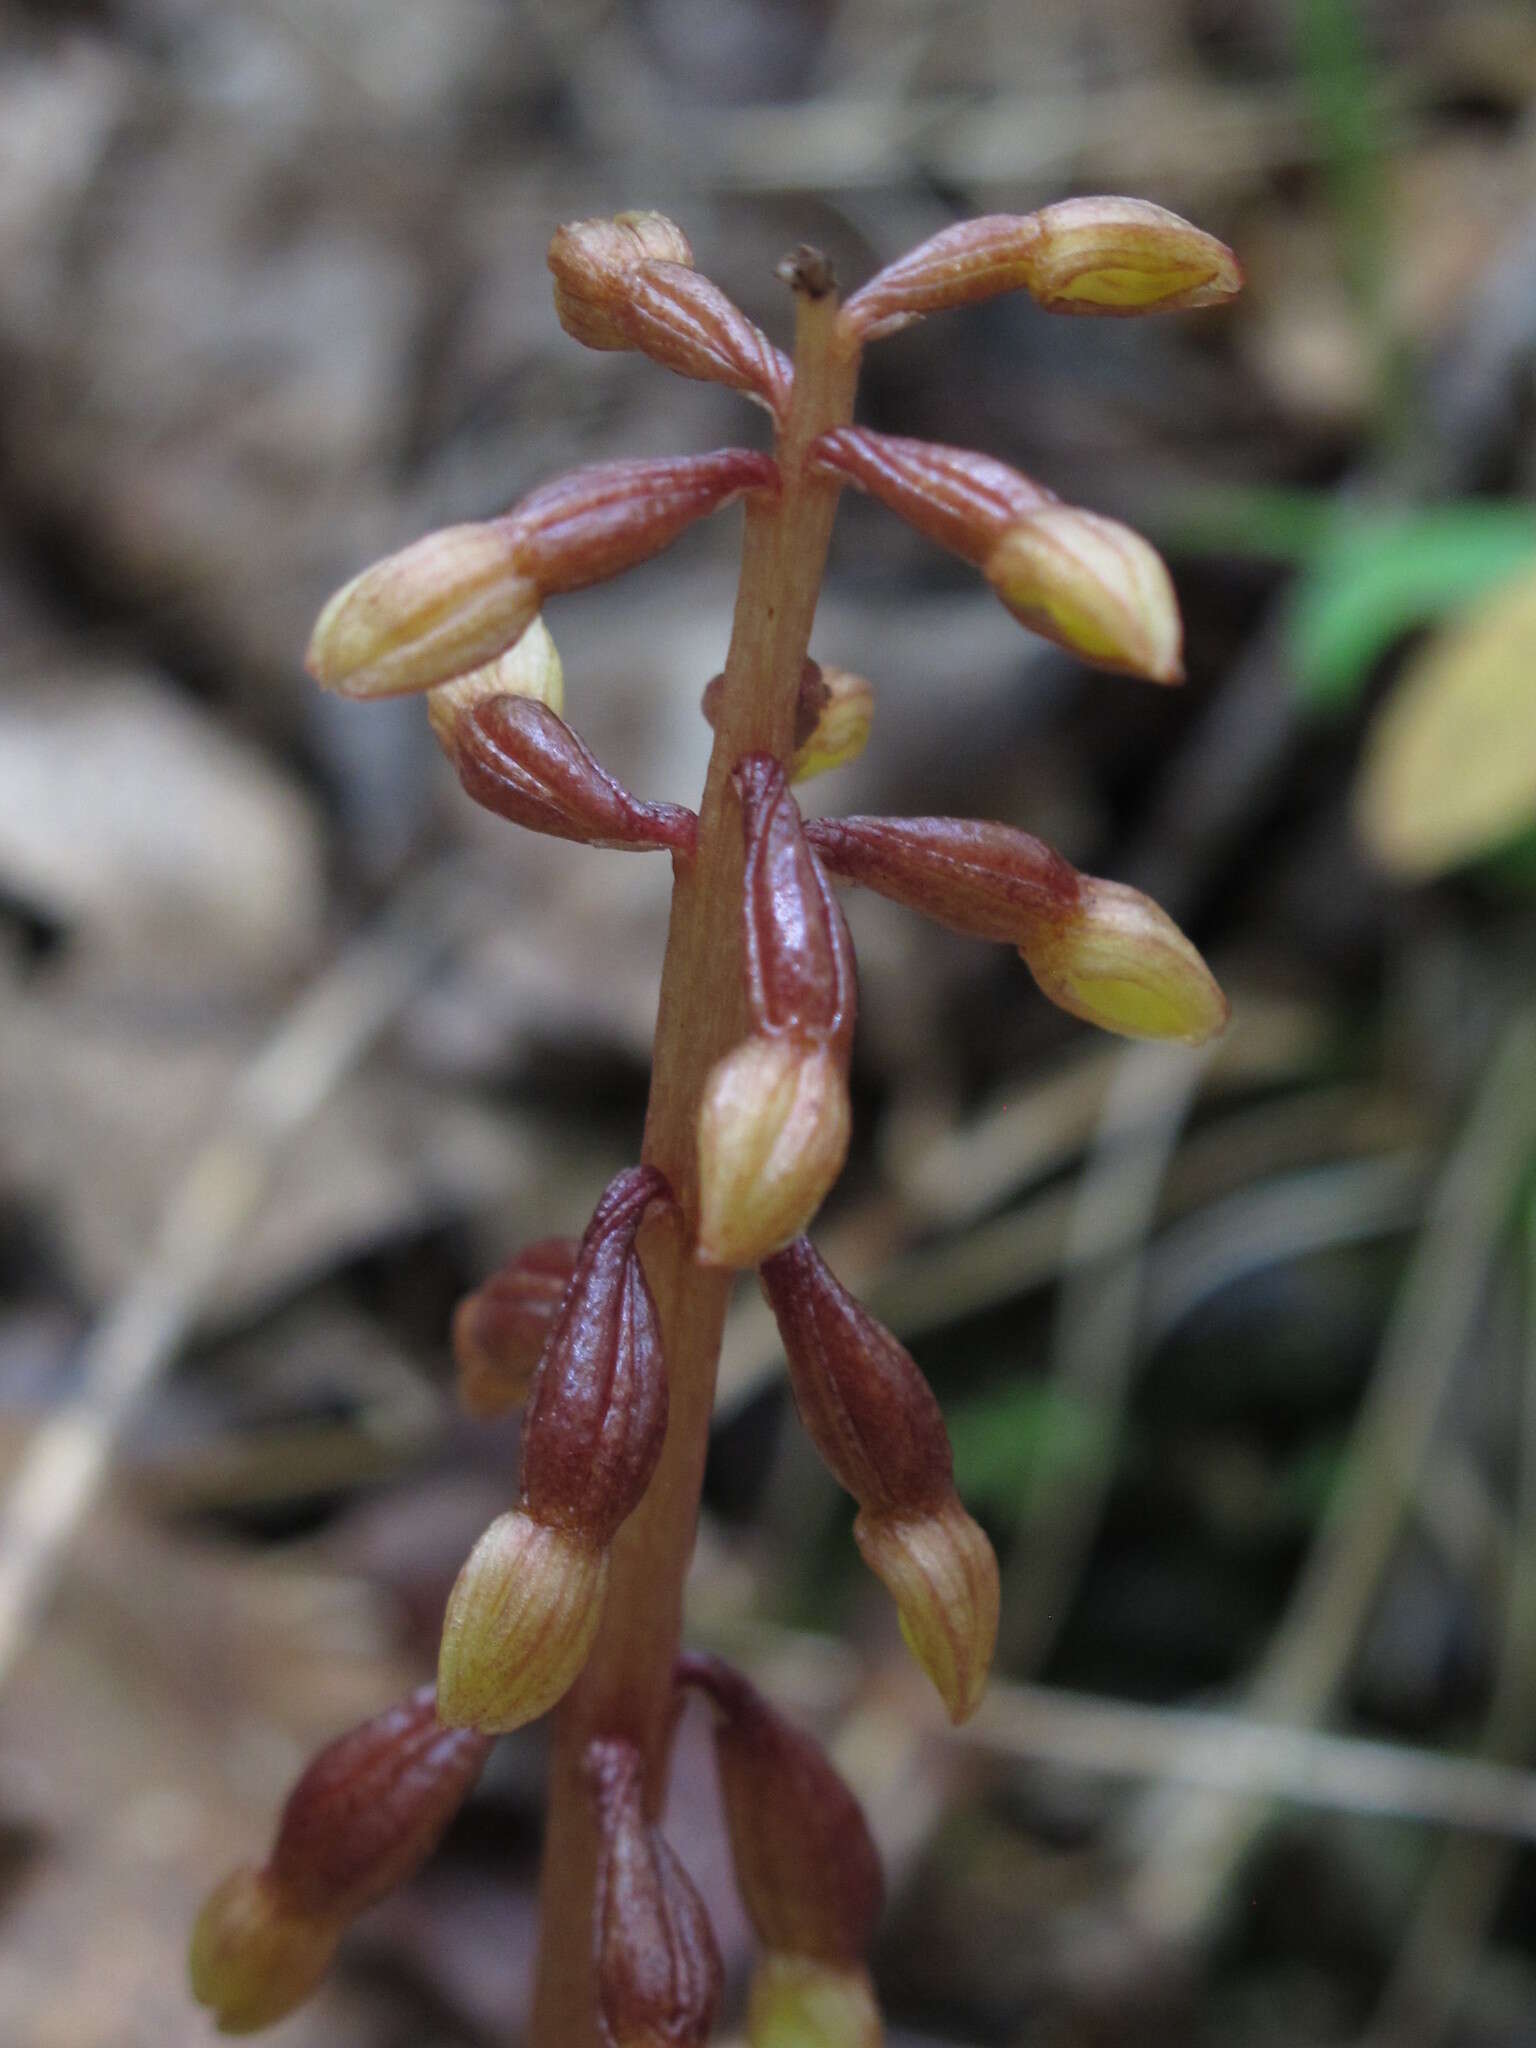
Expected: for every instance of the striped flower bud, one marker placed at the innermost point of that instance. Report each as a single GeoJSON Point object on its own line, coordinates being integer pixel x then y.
{"type": "Point", "coordinates": [499, 1331]}
{"type": "Point", "coordinates": [841, 729]}
{"type": "Point", "coordinates": [1099, 949]}
{"type": "Point", "coordinates": [1094, 587]}
{"type": "Point", "coordinates": [773, 1130]}
{"type": "Point", "coordinates": [954, 497]}
{"type": "Point", "coordinates": [1079, 256]}
{"type": "Point", "coordinates": [806, 1864]}
{"type": "Point", "coordinates": [659, 1974]}
{"type": "Point", "coordinates": [364, 1816]}
{"type": "Point", "coordinates": [796, 2002]}
{"type": "Point", "coordinates": [592, 262]}
{"type": "Point", "coordinates": [526, 1606]}
{"type": "Point", "coordinates": [516, 757]}
{"type": "Point", "coordinates": [799, 964]}
{"type": "Point", "coordinates": [531, 668]}
{"type": "Point", "coordinates": [872, 1416]}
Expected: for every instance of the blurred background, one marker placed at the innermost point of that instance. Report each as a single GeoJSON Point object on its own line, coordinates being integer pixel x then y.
{"type": "Point", "coordinates": [1237, 1348]}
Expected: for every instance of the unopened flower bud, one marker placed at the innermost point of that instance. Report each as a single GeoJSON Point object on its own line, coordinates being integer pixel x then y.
{"type": "Point", "coordinates": [961, 500]}
{"type": "Point", "coordinates": [499, 1331]}
{"type": "Point", "coordinates": [364, 1816]}
{"type": "Point", "coordinates": [592, 261]}
{"type": "Point", "coordinates": [516, 757]}
{"type": "Point", "coordinates": [796, 2002]}
{"type": "Point", "coordinates": [595, 522]}
{"type": "Point", "coordinates": [445, 604]}
{"type": "Point", "coordinates": [519, 1624]}
{"type": "Point", "coordinates": [806, 1864]}
{"type": "Point", "coordinates": [799, 960]}
{"type": "Point", "coordinates": [529, 669]}
{"type": "Point", "coordinates": [1079, 256]}
{"type": "Point", "coordinates": [525, 1608]}
{"type": "Point", "coordinates": [773, 1132]}
{"type": "Point", "coordinates": [940, 1570]}
{"type": "Point", "coordinates": [841, 730]}
{"type": "Point", "coordinates": [659, 1974]}
{"type": "Point", "coordinates": [1094, 587]}
{"type": "Point", "coordinates": [1123, 964]}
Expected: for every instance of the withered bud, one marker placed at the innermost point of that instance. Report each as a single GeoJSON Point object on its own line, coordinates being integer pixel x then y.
{"type": "Point", "coordinates": [519, 1624]}
{"type": "Point", "coordinates": [961, 500]}
{"type": "Point", "coordinates": [596, 522]}
{"type": "Point", "coordinates": [940, 1570]}
{"type": "Point", "coordinates": [445, 604]}
{"type": "Point", "coordinates": [597, 1415]}
{"type": "Point", "coordinates": [516, 757]}
{"type": "Point", "coordinates": [500, 1330]}
{"type": "Point", "coordinates": [532, 668]}
{"type": "Point", "coordinates": [1079, 256]}
{"type": "Point", "coordinates": [806, 1864]}
{"type": "Point", "coordinates": [591, 261]}
{"type": "Point", "coordinates": [773, 1130]}
{"type": "Point", "coordinates": [799, 963]}
{"type": "Point", "coordinates": [1094, 587]}
{"type": "Point", "coordinates": [795, 2002]}
{"type": "Point", "coordinates": [365, 1815]}
{"type": "Point", "coordinates": [841, 731]}
{"type": "Point", "coordinates": [1123, 964]}
{"type": "Point", "coordinates": [659, 1974]}
{"type": "Point", "coordinates": [858, 1391]}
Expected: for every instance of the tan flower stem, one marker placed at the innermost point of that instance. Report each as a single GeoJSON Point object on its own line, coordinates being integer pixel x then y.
{"type": "Point", "coordinates": [626, 1688]}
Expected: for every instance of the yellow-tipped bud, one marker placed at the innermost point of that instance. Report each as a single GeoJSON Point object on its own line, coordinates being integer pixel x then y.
{"type": "Point", "coordinates": [1094, 587]}
{"type": "Point", "coordinates": [940, 1570]}
{"type": "Point", "coordinates": [531, 668]}
{"type": "Point", "coordinates": [447, 603]}
{"type": "Point", "coordinates": [1125, 256]}
{"type": "Point", "coordinates": [773, 1134]}
{"type": "Point", "coordinates": [841, 731]}
{"type": "Point", "coordinates": [1122, 963]}
{"type": "Point", "coordinates": [797, 2002]}
{"type": "Point", "coordinates": [253, 1959]}
{"type": "Point", "coordinates": [519, 1625]}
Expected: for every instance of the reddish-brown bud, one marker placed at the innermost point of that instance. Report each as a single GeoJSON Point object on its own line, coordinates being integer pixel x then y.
{"type": "Point", "coordinates": [773, 1129]}
{"type": "Point", "coordinates": [858, 1391]}
{"type": "Point", "coordinates": [806, 1864]}
{"type": "Point", "coordinates": [658, 1969]}
{"type": "Point", "coordinates": [499, 1331]}
{"type": "Point", "coordinates": [363, 1817]}
{"type": "Point", "coordinates": [795, 2002]}
{"type": "Point", "coordinates": [799, 963]}
{"type": "Point", "coordinates": [516, 757]}
{"type": "Point", "coordinates": [596, 522]}
{"type": "Point", "coordinates": [1079, 256]}
{"type": "Point", "coordinates": [988, 881]}
{"type": "Point", "coordinates": [961, 500]}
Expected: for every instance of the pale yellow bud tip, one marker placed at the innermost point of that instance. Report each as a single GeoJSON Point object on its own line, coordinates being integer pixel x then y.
{"type": "Point", "coordinates": [797, 2002]}
{"type": "Point", "coordinates": [444, 605]}
{"type": "Point", "coordinates": [940, 1570]}
{"type": "Point", "coordinates": [1126, 256]}
{"type": "Point", "coordinates": [252, 1961]}
{"type": "Point", "coordinates": [519, 1624]}
{"type": "Point", "coordinates": [842, 727]}
{"type": "Point", "coordinates": [773, 1134]}
{"type": "Point", "coordinates": [530, 669]}
{"type": "Point", "coordinates": [1094, 587]}
{"type": "Point", "coordinates": [1123, 964]}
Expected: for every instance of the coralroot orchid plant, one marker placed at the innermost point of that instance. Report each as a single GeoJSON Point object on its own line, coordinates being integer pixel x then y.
{"type": "Point", "coordinates": [572, 1600]}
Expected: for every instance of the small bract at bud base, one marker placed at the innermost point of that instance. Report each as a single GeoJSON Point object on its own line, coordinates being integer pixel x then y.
{"type": "Point", "coordinates": [519, 1624]}
{"type": "Point", "coordinates": [797, 2002]}
{"type": "Point", "coordinates": [253, 1959]}
{"type": "Point", "coordinates": [940, 1570]}
{"type": "Point", "coordinates": [1122, 963]}
{"type": "Point", "coordinates": [773, 1133]}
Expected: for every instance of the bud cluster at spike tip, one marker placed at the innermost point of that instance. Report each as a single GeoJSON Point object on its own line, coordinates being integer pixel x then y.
{"type": "Point", "coordinates": [525, 1607]}
{"type": "Point", "coordinates": [629, 283]}
{"type": "Point", "coordinates": [774, 1119]}
{"type": "Point", "coordinates": [872, 1416]}
{"type": "Point", "coordinates": [500, 1330]}
{"type": "Point", "coordinates": [1083, 581]}
{"type": "Point", "coordinates": [1089, 255]}
{"type": "Point", "coordinates": [834, 712]}
{"type": "Point", "coordinates": [806, 1865]}
{"type": "Point", "coordinates": [365, 1814]}
{"type": "Point", "coordinates": [658, 1969]}
{"type": "Point", "coordinates": [1100, 950]}
{"type": "Point", "coordinates": [458, 598]}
